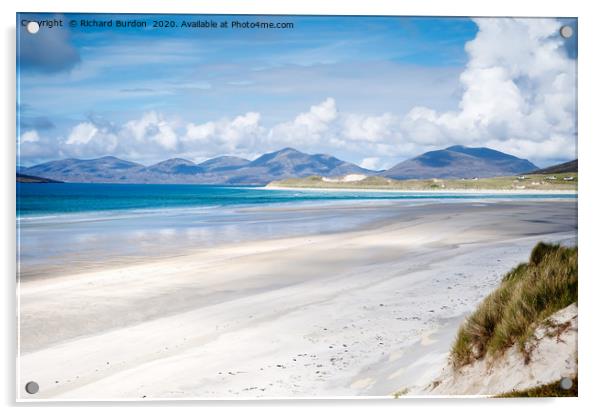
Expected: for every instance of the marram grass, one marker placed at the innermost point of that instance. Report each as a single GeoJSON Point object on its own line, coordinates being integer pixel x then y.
{"type": "Point", "coordinates": [526, 297]}
{"type": "Point", "coordinates": [550, 390]}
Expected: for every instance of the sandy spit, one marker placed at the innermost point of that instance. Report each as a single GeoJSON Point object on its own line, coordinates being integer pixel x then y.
{"type": "Point", "coordinates": [442, 192]}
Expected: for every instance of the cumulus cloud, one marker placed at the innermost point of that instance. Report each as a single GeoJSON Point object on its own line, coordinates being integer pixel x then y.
{"type": "Point", "coordinates": [518, 95]}
{"type": "Point", "coordinates": [88, 139]}
{"type": "Point", "coordinates": [147, 137]}
{"type": "Point", "coordinates": [308, 127]}
{"type": "Point", "coordinates": [30, 136]}
{"type": "Point", "coordinates": [371, 163]}
{"type": "Point", "coordinates": [371, 128]}
{"type": "Point", "coordinates": [241, 134]}
{"type": "Point", "coordinates": [32, 145]}
{"type": "Point", "coordinates": [82, 134]}
{"type": "Point", "coordinates": [152, 129]}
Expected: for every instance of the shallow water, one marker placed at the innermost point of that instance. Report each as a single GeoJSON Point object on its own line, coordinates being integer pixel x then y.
{"type": "Point", "coordinates": [34, 199]}
{"type": "Point", "coordinates": [72, 226]}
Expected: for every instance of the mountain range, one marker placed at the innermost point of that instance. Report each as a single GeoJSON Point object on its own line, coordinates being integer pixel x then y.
{"type": "Point", "coordinates": [280, 164]}
{"type": "Point", "coordinates": [452, 162]}
{"type": "Point", "coordinates": [568, 167]}
{"type": "Point", "coordinates": [458, 162]}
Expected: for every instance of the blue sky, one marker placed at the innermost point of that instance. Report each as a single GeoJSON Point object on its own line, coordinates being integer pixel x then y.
{"type": "Point", "coordinates": [147, 94]}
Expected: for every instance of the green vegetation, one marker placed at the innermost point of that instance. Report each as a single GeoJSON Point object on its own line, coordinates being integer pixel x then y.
{"type": "Point", "coordinates": [526, 182]}
{"type": "Point", "coordinates": [550, 390]}
{"type": "Point", "coordinates": [526, 297]}
{"type": "Point", "coordinates": [401, 393]}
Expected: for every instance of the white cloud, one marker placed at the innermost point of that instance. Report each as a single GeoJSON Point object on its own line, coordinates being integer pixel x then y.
{"type": "Point", "coordinates": [371, 163]}
{"type": "Point", "coordinates": [150, 136]}
{"type": "Point", "coordinates": [32, 145]}
{"type": "Point", "coordinates": [371, 128]}
{"type": "Point", "coordinates": [518, 95]}
{"type": "Point", "coordinates": [200, 133]}
{"type": "Point", "coordinates": [308, 127]}
{"type": "Point", "coordinates": [88, 139]}
{"type": "Point", "coordinates": [30, 136]}
{"type": "Point", "coordinates": [152, 129]}
{"type": "Point", "coordinates": [238, 135]}
{"type": "Point", "coordinates": [82, 133]}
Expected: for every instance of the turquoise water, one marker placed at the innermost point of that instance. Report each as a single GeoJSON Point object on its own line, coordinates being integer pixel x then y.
{"type": "Point", "coordinates": [53, 198]}
{"type": "Point", "coordinates": [68, 227]}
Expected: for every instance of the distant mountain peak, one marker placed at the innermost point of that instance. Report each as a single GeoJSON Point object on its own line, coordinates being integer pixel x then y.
{"type": "Point", "coordinates": [284, 163]}
{"type": "Point", "coordinates": [223, 164]}
{"type": "Point", "coordinates": [113, 159]}
{"type": "Point", "coordinates": [110, 159]}
{"type": "Point", "coordinates": [175, 160]}
{"type": "Point", "coordinates": [275, 156]}
{"type": "Point", "coordinates": [286, 150]}
{"type": "Point", "coordinates": [460, 161]}
{"type": "Point", "coordinates": [175, 166]}
{"type": "Point", "coordinates": [456, 147]}
{"type": "Point", "coordinates": [231, 158]}
{"type": "Point", "coordinates": [483, 152]}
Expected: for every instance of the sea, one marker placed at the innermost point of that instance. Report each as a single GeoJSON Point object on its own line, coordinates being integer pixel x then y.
{"type": "Point", "coordinates": [75, 226]}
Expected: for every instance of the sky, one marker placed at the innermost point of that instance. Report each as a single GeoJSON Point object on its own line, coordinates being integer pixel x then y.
{"type": "Point", "coordinates": [369, 90]}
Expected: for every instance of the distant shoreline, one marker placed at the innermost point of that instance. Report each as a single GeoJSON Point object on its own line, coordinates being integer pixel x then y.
{"type": "Point", "coordinates": [438, 191]}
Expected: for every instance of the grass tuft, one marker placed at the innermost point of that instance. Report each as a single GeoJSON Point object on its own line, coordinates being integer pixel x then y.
{"type": "Point", "coordinates": [401, 393]}
{"type": "Point", "coordinates": [526, 297]}
{"type": "Point", "coordinates": [551, 390]}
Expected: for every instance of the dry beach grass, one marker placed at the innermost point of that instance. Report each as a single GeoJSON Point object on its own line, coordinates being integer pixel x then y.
{"type": "Point", "coordinates": [527, 295]}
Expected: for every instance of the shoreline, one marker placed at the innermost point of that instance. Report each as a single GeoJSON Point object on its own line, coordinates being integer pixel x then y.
{"type": "Point", "coordinates": [96, 257]}
{"type": "Point", "coordinates": [314, 213]}
{"type": "Point", "coordinates": [360, 313]}
{"type": "Point", "coordinates": [426, 191]}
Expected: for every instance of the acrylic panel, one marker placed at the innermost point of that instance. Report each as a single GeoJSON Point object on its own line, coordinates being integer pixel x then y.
{"type": "Point", "coordinates": [254, 206]}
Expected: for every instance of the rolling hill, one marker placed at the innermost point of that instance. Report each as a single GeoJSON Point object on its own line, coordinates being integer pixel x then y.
{"type": "Point", "coordinates": [287, 163]}
{"type": "Point", "coordinates": [277, 165]}
{"type": "Point", "coordinates": [568, 167]}
{"type": "Point", "coordinates": [24, 178]}
{"type": "Point", "coordinates": [460, 162]}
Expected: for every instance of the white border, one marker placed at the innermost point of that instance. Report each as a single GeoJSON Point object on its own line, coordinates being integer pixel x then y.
{"type": "Point", "coordinates": [589, 188]}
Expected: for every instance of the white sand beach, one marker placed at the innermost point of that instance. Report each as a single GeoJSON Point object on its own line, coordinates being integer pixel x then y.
{"type": "Point", "coordinates": [356, 313]}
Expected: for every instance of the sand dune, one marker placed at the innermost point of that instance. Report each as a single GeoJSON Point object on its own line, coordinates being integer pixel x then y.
{"type": "Point", "coordinates": [365, 312]}
{"type": "Point", "coordinates": [553, 355]}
